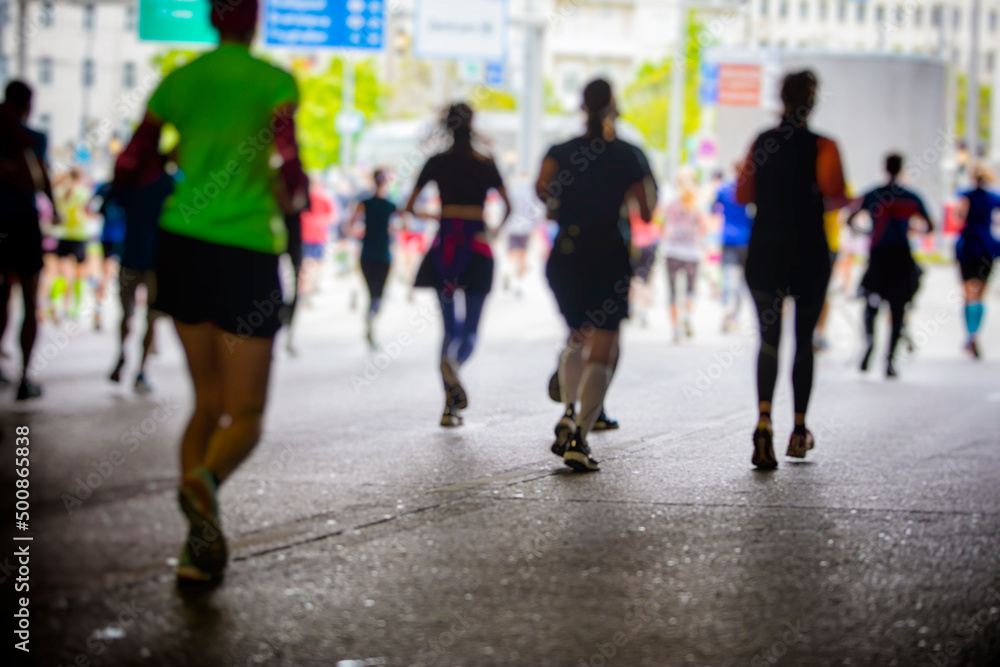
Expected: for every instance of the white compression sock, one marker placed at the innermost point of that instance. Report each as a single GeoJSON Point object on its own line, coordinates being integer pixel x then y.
{"type": "Point", "coordinates": [570, 370]}
{"type": "Point", "coordinates": [593, 387]}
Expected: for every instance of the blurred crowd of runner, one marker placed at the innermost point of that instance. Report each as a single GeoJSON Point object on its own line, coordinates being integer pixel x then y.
{"type": "Point", "coordinates": [196, 234]}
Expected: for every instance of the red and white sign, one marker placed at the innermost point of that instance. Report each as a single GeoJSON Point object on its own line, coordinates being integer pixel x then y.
{"type": "Point", "coordinates": [740, 85]}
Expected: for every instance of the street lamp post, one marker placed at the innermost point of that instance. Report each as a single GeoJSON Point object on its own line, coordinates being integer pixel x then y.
{"type": "Point", "coordinates": [675, 112]}
{"type": "Point", "coordinates": [532, 108]}
{"type": "Point", "coordinates": [972, 87]}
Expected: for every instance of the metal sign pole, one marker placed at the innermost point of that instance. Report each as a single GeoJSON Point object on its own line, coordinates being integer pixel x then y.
{"type": "Point", "coordinates": [531, 104]}
{"type": "Point", "coordinates": [972, 88]}
{"type": "Point", "coordinates": [675, 112]}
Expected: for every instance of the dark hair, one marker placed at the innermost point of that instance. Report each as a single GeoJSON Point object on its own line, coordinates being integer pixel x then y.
{"type": "Point", "coordinates": [379, 177]}
{"type": "Point", "coordinates": [458, 122]}
{"type": "Point", "coordinates": [798, 93]}
{"type": "Point", "coordinates": [18, 95]}
{"type": "Point", "coordinates": [597, 102]}
{"type": "Point", "coordinates": [894, 164]}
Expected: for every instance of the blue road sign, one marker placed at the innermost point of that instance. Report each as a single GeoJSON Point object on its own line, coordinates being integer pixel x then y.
{"type": "Point", "coordinates": [494, 74]}
{"type": "Point", "coordinates": [708, 87]}
{"type": "Point", "coordinates": [324, 23]}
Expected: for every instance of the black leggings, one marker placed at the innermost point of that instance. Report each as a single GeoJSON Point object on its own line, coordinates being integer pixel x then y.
{"type": "Point", "coordinates": [807, 310]}
{"type": "Point", "coordinates": [898, 311]}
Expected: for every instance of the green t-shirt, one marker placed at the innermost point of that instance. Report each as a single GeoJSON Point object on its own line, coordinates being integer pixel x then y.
{"type": "Point", "coordinates": [221, 105]}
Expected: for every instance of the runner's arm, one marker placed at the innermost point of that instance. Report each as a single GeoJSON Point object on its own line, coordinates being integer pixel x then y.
{"type": "Point", "coordinates": [295, 194]}
{"type": "Point", "coordinates": [136, 164]}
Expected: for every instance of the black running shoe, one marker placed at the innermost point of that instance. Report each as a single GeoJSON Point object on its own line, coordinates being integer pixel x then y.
{"type": "Point", "coordinates": [604, 422]}
{"type": "Point", "coordinates": [577, 455]}
{"type": "Point", "coordinates": [456, 396]}
{"type": "Point", "coordinates": [116, 374]}
{"type": "Point", "coordinates": [867, 358]}
{"type": "Point", "coordinates": [206, 544]}
{"type": "Point", "coordinates": [564, 432]}
{"type": "Point", "coordinates": [972, 349]}
{"type": "Point", "coordinates": [451, 417]}
{"type": "Point", "coordinates": [555, 391]}
{"type": "Point", "coordinates": [763, 449]}
{"type": "Point", "coordinates": [890, 370]}
{"type": "Point", "coordinates": [799, 444]}
{"type": "Point", "coordinates": [27, 391]}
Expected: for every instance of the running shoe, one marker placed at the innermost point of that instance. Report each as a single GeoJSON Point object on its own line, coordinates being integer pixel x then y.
{"type": "Point", "coordinates": [763, 449]}
{"type": "Point", "coordinates": [972, 349]}
{"type": "Point", "coordinates": [564, 432]}
{"type": "Point", "coordinates": [604, 422]}
{"type": "Point", "coordinates": [198, 500]}
{"type": "Point", "coordinates": [799, 444]}
{"type": "Point", "coordinates": [867, 358]}
{"type": "Point", "coordinates": [187, 571]}
{"type": "Point", "coordinates": [453, 386]}
{"type": "Point", "coordinates": [577, 455]}
{"type": "Point", "coordinates": [451, 417]}
{"type": "Point", "coordinates": [142, 385]}
{"type": "Point", "coordinates": [555, 391]}
{"type": "Point", "coordinates": [26, 391]}
{"type": "Point", "coordinates": [688, 331]}
{"type": "Point", "coordinates": [890, 370]}
{"type": "Point", "coordinates": [116, 374]}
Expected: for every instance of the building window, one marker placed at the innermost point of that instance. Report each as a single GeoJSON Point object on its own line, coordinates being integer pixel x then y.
{"type": "Point", "coordinates": [937, 16]}
{"type": "Point", "coordinates": [823, 11]}
{"type": "Point", "coordinates": [918, 17]}
{"type": "Point", "coordinates": [803, 10]}
{"type": "Point", "coordinates": [956, 19]}
{"type": "Point", "coordinates": [128, 75]}
{"type": "Point", "coordinates": [842, 11]}
{"type": "Point", "coordinates": [44, 123]}
{"type": "Point", "coordinates": [88, 73]}
{"type": "Point", "coordinates": [130, 17]}
{"type": "Point", "coordinates": [993, 21]}
{"type": "Point", "coordinates": [991, 61]}
{"type": "Point", "coordinates": [900, 15]}
{"type": "Point", "coordinates": [880, 15]}
{"type": "Point", "coordinates": [763, 7]}
{"type": "Point", "coordinates": [783, 9]}
{"type": "Point", "coordinates": [47, 15]}
{"type": "Point", "coordinates": [89, 13]}
{"type": "Point", "coordinates": [861, 12]}
{"type": "Point", "coordinates": [45, 71]}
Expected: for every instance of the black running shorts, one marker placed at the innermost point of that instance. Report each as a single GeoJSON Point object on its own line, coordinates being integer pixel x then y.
{"type": "Point", "coordinates": [236, 289]}
{"type": "Point", "coordinates": [590, 274]}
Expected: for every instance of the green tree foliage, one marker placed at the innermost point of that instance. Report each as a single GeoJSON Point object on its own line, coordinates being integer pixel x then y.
{"type": "Point", "coordinates": [319, 102]}
{"type": "Point", "coordinates": [984, 109]}
{"type": "Point", "coordinates": [646, 103]}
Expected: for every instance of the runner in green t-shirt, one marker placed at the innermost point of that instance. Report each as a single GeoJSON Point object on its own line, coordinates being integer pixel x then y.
{"type": "Point", "coordinates": [217, 255]}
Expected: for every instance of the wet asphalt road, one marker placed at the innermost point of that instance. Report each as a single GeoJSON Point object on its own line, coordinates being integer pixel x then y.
{"type": "Point", "coordinates": [364, 534]}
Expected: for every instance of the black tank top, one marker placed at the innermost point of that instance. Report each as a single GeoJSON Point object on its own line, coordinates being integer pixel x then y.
{"type": "Point", "coordinates": [787, 243]}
